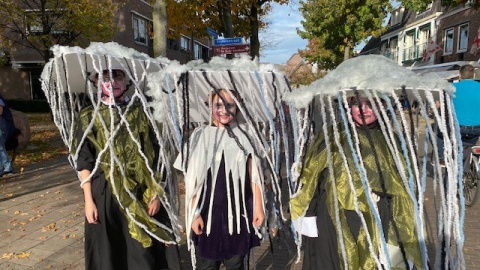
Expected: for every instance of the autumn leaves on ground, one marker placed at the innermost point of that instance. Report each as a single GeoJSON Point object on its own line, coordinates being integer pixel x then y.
{"type": "Point", "coordinates": [45, 142]}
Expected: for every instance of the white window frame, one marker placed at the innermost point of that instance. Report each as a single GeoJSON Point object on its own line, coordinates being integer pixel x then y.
{"type": "Point", "coordinates": [465, 39]}
{"type": "Point", "coordinates": [140, 26]}
{"type": "Point", "coordinates": [446, 50]}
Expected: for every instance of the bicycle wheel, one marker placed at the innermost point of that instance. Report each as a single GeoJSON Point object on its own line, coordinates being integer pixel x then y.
{"type": "Point", "coordinates": [470, 185]}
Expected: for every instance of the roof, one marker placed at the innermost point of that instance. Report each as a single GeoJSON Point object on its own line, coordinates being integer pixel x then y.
{"type": "Point", "coordinates": [373, 44]}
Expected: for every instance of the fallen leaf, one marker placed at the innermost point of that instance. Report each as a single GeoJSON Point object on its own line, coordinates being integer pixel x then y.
{"type": "Point", "coordinates": [49, 227]}
{"type": "Point", "coordinates": [16, 256]}
{"type": "Point", "coordinates": [23, 255]}
{"type": "Point", "coordinates": [8, 255]}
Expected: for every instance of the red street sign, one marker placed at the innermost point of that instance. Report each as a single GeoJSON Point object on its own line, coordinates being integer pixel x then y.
{"type": "Point", "coordinates": [231, 49]}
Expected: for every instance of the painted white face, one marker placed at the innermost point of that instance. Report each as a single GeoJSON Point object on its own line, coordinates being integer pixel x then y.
{"type": "Point", "coordinates": [115, 86]}
{"type": "Point", "coordinates": [367, 110]}
{"type": "Point", "coordinates": [224, 109]}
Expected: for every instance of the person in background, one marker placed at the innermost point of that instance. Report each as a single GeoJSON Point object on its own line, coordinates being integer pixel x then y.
{"type": "Point", "coordinates": [6, 131]}
{"type": "Point", "coordinates": [465, 102]}
{"type": "Point", "coordinates": [122, 199]}
{"type": "Point", "coordinates": [224, 190]}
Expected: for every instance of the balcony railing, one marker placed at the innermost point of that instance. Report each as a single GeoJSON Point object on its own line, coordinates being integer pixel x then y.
{"type": "Point", "coordinates": [391, 54]}
{"type": "Point", "coordinates": [414, 52]}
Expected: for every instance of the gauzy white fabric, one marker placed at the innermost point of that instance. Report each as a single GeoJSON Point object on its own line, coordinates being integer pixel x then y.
{"type": "Point", "coordinates": [208, 145]}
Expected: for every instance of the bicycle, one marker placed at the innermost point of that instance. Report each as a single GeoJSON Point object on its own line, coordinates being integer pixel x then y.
{"type": "Point", "coordinates": [471, 174]}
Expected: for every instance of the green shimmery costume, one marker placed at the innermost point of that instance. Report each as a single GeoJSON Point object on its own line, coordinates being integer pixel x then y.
{"type": "Point", "coordinates": [122, 187]}
{"type": "Point", "coordinates": [316, 198]}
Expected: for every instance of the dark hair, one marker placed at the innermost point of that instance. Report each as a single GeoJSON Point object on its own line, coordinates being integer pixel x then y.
{"type": "Point", "coordinates": [216, 92]}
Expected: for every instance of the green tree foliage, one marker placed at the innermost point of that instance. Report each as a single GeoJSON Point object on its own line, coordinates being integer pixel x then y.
{"type": "Point", "coordinates": [334, 27]}
{"type": "Point", "coordinates": [421, 5]}
{"type": "Point", "coordinates": [40, 24]}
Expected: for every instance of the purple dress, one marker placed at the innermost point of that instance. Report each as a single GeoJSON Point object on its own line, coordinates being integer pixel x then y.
{"type": "Point", "coordinates": [219, 244]}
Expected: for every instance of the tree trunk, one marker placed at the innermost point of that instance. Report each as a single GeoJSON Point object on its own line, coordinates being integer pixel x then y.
{"type": "Point", "coordinates": [346, 53]}
{"type": "Point", "coordinates": [159, 17]}
{"type": "Point", "coordinates": [225, 10]}
{"type": "Point", "coordinates": [254, 40]}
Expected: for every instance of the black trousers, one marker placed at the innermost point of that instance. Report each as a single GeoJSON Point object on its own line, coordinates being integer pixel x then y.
{"type": "Point", "coordinates": [233, 263]}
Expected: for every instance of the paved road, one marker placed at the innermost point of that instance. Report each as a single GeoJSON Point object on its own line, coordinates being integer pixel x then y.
{"type": "Point", "coordinates": [41, 224]}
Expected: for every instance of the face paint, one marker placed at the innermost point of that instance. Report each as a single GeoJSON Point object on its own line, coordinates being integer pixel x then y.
{"type": "Point", "coordinates": [117, 86]}
{"type": "Point", "coordinates": [224, 109]}
{"type": "Point", "coordinates": [367, 110]}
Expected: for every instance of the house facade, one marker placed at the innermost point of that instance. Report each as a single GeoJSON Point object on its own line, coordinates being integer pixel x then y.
{"type": "Point", "coordinates": [20, 77]}
{"type": "Point", "coordinates": [435, 40]}
{"type": "Point", "coordinates": [299, 71]}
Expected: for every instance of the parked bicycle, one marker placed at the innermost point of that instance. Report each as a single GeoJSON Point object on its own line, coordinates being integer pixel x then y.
{"type": "Point", "coordinates": [471, 173]}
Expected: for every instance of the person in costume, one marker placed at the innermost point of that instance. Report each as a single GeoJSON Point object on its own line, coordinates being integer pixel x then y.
{"type": "Point", "coordinates": [125, 221]}
{"type": "Point", "coordinates": [224, 189]}
{"type": "Point", "coordinates": [340, 221]}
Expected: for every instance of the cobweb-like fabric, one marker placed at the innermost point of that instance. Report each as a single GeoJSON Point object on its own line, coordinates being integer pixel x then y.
{"type": "Point", "coordinates": [181, 100]}
{"type": "Point", "coordinates": [323, 107]}
{"type": "Point", "coordinates": [68, 91]}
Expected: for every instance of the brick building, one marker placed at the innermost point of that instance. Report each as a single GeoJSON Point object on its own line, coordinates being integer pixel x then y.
{"type": "Point", "coordinates": [409, 34]}
{"type": "Point", "coordinates": [20, 78]}
{"type": "Point", "coordinates": [299, 71]}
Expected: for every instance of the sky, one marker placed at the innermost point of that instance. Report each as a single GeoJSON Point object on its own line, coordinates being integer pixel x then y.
{"type": "Point", "coordinates": [282, 33]}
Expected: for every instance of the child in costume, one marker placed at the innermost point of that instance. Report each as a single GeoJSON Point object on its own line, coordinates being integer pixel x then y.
{"type": "Point", "coordinates": [125, 221]}
{"type": "Point", "coordinates": [347, 234]}
{"type": "Point", "coordinates": [224, 189]}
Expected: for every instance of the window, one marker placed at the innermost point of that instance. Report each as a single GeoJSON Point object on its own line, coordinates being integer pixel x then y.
{"type": "Point", "coordinates": [384, 47]}
{"type": "Point", "coordinates": [462, 37]}
{"type": "Point", "coordinates": [141, 29]}
{"type": "Point", "coordinates": [185, 43]}
{"type": "Point", "coordinates": [423, 39]}
{"type": "Point", "coordinates": [197, 50]}
{"type": "Point", "coordinates": [409, 46]}
{"type": "Point", "coordinates": [34, 20]}
{"type": "Point", "coordinates": [424, 36]}
{"type": "Point", "coordinates": [448, 41]}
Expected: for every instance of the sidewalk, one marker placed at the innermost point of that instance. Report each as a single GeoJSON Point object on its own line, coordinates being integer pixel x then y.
{"type": "Point", "coordinates": [41, 224]}
{"type": "Point", "coordinates": [42, 220]}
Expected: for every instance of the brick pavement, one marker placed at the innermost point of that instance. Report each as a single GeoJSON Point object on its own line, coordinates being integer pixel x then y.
{"type": "Point", "coordinates": [41, 224]}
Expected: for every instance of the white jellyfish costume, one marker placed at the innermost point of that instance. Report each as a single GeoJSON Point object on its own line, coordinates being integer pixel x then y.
{"type": "Point", "coordinates": [350, 182]}
{"type": "Point", "coordinates": [182, 100]}
{"type": "Point", "coordinates": [65, 81]}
